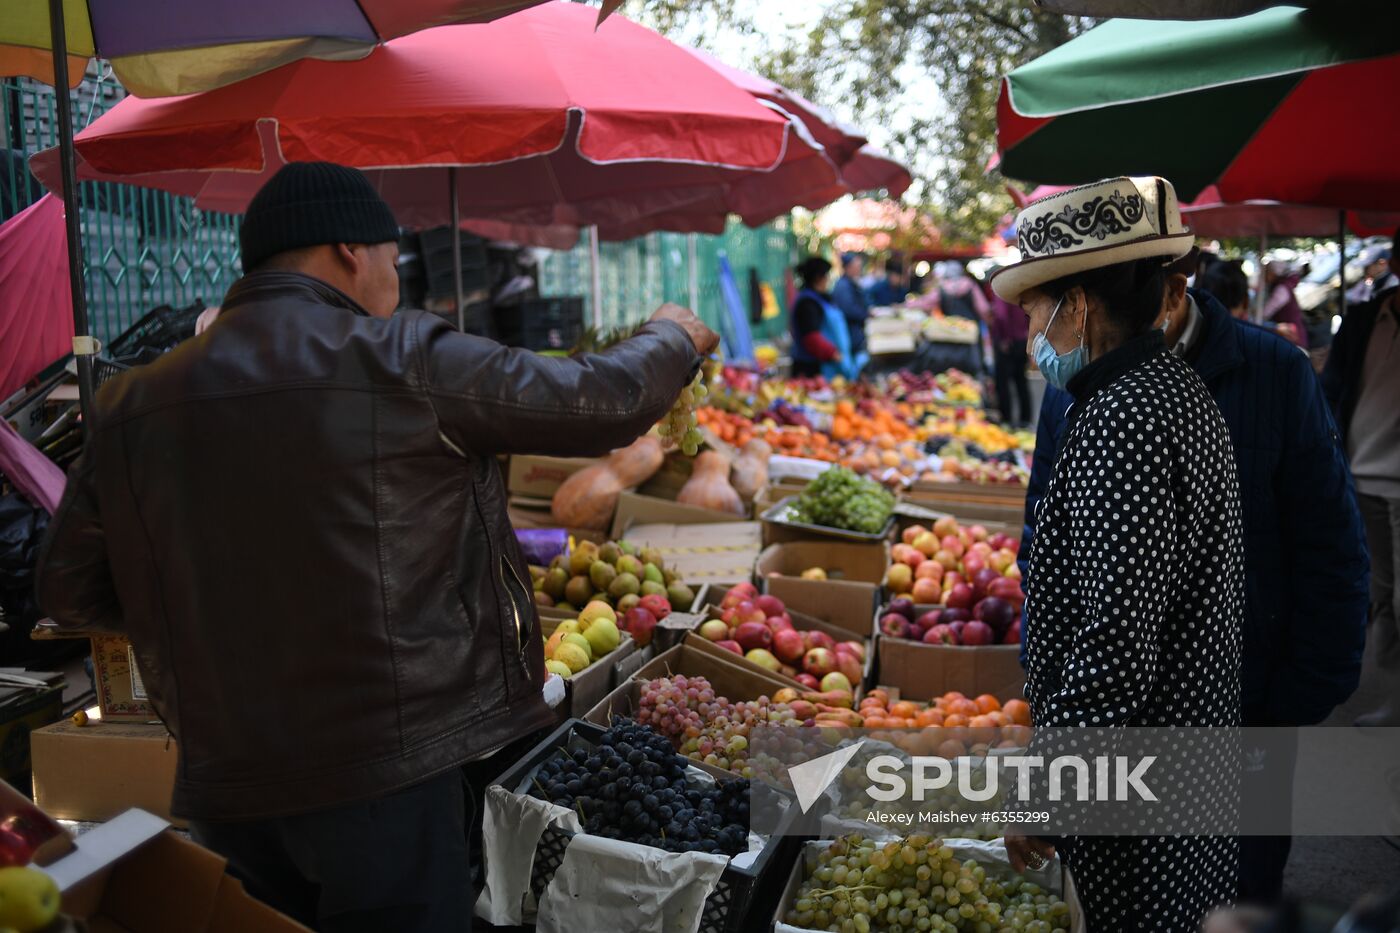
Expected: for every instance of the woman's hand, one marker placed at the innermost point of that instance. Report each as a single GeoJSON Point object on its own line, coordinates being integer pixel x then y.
{"type": "Point", "coordinates": [1027, 852]}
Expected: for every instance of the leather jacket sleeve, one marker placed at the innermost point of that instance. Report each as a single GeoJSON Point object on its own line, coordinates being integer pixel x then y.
{"type": "Point", "coordinates": [73, 578]}
{"type": "Point", "coordinates": [491, 399]}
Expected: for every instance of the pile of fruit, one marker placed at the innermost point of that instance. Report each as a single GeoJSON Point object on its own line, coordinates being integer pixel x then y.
{"type": "Point", "coordinates": [761, 629]}
{"type": "Point", "coordinates": [733, 429]}
{"type": "Point", "coordinates": [706, 727]}
{"type": "Point", "coordinates": [577, 644]}
{"type": "Point", "coordinates": [971, 575]}
{"type": "Point", "coordinates": [802, 442]}
{"type": "Point", "coordinates": [951, 725]}
{"type": "Point", "coordinates": [633, 786]}
{"type": "Point", "coordinates": [917, 883]}
{"type": "Point", "coordinates": [952, 386]}
{"type": "Point", "coordinates": [617, 573]}
{"type": "Point", "coordinates": [839, 498]}
{"type": "Point", "coordinates": [882, 424]}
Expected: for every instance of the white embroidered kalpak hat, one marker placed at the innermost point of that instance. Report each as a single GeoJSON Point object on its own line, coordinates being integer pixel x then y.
{"type": "Point", "coordinates": [1092, 226]}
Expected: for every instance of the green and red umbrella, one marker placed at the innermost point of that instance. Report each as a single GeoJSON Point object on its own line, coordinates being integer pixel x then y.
{"type": "Point", "coordinates": [1288, 104]}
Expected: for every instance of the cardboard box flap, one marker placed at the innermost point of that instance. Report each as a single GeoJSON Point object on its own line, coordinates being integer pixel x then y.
{"type": "Point", "coordinates": [172, 888]}
{"type": "Point", "coordinates": [97, 850]}
{"type": "Point", "coordinates": [634, 509]}
{"type": "Point", "coordinates": [716, 552]}
{"type": "Point", "coordinates": [237, 912]}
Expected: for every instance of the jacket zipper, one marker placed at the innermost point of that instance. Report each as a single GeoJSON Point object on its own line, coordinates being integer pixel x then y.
{"type": "Point", "coordinates": [520, 625]}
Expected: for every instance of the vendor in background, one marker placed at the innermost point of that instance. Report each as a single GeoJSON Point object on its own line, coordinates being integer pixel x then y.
{"type": "Point", "coordinates": [849, 295]}
{"type": "Point", "coordinates": [1362, 380]}
{"type": "Point", "coordinates": [1281, 306]}
{"type": "Point", "coordinates": [298, 520]}
{"type": "Point", "coordinates": [1226, 282]}
{"type": "Point", "coordinates": [1007, 324]}
{"type": "Point", "coordinates": [893, 289]}
{"type": "Point", "coordinates": [1305, 553]}
{"type": "Point", "coordinates": [821, 341]}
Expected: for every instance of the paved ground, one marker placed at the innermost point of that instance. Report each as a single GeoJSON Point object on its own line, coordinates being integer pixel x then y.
{"type": "Point", "coordinates": [1341, 869]}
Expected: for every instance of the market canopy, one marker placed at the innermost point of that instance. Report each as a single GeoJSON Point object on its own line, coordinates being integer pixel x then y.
{"type": "Point", "coordinates": [159, 48]}
{"type": "Point", "coordinates": [549, 122]}
{"type": "Point", "coordinates": [1287, 104]}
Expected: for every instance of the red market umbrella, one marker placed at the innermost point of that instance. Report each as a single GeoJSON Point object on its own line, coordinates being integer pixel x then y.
{"type": "Point", "coordinates": [547, 120]}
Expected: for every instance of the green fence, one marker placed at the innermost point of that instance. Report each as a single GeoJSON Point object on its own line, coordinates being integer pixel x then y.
{"type": "Point", "coordinates": [146, 248]}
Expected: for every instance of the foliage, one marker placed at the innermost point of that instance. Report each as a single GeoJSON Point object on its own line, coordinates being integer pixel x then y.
{"type": "Point", "coordinates": [872, 60]}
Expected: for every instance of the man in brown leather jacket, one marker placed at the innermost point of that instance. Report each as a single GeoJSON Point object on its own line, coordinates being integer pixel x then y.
{"type": "Point", "coordinates": [298, 520]}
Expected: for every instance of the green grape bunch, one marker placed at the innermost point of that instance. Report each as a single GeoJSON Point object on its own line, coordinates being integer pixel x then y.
{"type": "Point", "coordinates": [841, 499]}
{"type": "Point", "coordinates": [680, 426]}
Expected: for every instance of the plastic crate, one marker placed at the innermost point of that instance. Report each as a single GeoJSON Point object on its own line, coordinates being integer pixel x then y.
{"type": "Point", "coordinates": [161, 329]}
{"type": "Point", "coordinates": [435, 254]}
{"type": "Point", "coordinates": [104, 369]}
{"type": "Point", "coordinates": [542, 323]}
{"type": "Point", "coordinates": [728, 908]}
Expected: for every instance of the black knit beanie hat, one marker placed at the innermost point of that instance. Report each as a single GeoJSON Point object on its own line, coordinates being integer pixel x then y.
{"type": "Point", "coordinates": [311, 203]}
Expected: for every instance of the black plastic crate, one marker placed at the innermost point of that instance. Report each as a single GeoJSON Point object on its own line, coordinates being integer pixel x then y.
{"type": "Point", "coordinates": [729, 906]}
{"type": "Point", "coordinates": [542, 323]}
{"type": "Point", "coordinates": [159, 330]}
{"type": "Point", "coordinates": [435, 254]}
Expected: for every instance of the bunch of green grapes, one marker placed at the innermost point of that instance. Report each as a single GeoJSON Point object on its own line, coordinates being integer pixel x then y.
{"type": "Point", "coordinates": [841, 499]}
{"type": "Point", "coordinates": [917, 884]}
{"type": "Point", "coordinates": [680, 424]}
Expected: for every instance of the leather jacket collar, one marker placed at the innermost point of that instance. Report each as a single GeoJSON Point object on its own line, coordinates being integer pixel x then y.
{"type": "Point", "coordinates": [258, 286]}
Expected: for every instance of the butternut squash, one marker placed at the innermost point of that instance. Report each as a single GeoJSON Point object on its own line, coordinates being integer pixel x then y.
{"type": "Point", "coordinates": [750, 472]}
{"type": "Point", "coordinates": [708, 487]}
{"type": "Point", "coordinates": [588, 499]}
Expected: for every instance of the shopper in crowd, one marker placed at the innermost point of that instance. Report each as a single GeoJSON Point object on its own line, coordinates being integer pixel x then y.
{"type": "Point", "coordinates": [958, 294]}
{"type": "Point", "coordinates": [1226, 282]}
{"type": "Point", "coordinates": [893, 289]}
{"type": "Point", "coordinates": [821, 341]}
{"type": "Point", "coordinates": [849, 295]}
{"type": "Point", "coordinates": [1376, 276]}
{"type": "Point", "coordinates": [1135, 588]}
{"type": "Point", "coordinates": [1362, 381]}
{"type": "Point", "coordinates": [1305, 553]}
{"type": "Point", "coordinates": [1007, 324]}
{"type": "Point", "coordinates": [1281, 308]}
{"type": "Point", "coordinates": [298, 520]}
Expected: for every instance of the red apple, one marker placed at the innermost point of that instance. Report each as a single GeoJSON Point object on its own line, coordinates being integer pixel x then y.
{"type": "Point", "coordinates": [787, 645]}
{"type": "Point", "coordinates": [929, 619]}
{"type": "Point", "coordinates": [15, 847]}
{"type": "Point", "coordinates": [850, 665]}
{"type": "Point", "coordinates": [959, 597]}
{"type": "Point", "coordinates": [998, 540]}
{"type": "Point", "coordinates": [951, 616]}
{"type": "Point", "coordinates": [730, 644]}
{"type": "Point", "coordinates": [808, 681]}
{"type": "Point", "coordinates": [731, 600]}
{"type": "Point", "coordinates": [1007, 589]}
{"type": "Point", "coordinates": [978, 532]}
{"type": "Point", "coordinates": [957, 629]}
{"type": "Point", "coordinates": [892, 624]}
{"type": "Point", "coordinates": [819, 662]}
{"type": "Point", "coordinates": [977, 633]}
{"type": "Point", "coordinates": [996, 612]}
{"type": "Point", "coordinates": [746, 590]}
{"type": "Point", "coordinates": [926, 592]}
{"type": "Point", "coordinates": [913, 531]}
{"type": "Point", "coordinates": [939, 635]}
{"type": "Point", "coordinates": [945, 526]}
{"type": "Point", "coordinates": [714, 630]}
{"type": "Point", "coordinates": [751, 635]}
{"type": "Point", "coordinates": [981, 580]}
{"type": "Point", "coordinates": [1013, 634]}
{"type": "Point", "coordinates": [658, 605]}
{"type": "Point", "coordinates": [929, 570]}
{"type": "Point", "coordinates": [902, 605]}
{"type": "Point", "coordinates": [640, 624]}
{"type": "Point", "coordinates": [954, 545]}
{"type": "Point", "coordinates": [822, 640]}
{"type": "Point", "coordinates": [771, 605]}
{"type": "Point", "coordinates": [974, 564]}
{"type": "Point", "coordinates": [914, 558]}
{"type": "Point", "coordinates": [853, 647]}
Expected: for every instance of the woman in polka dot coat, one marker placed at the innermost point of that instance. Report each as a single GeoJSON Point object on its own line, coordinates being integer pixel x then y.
{"type": "Point", "coordinates": [1134, 595]}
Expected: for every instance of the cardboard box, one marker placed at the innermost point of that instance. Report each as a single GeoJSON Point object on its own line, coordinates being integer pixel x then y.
{"type": "Point", "coordinates": [540, 477]}
{"type": "Point", "coordinates": [588, 686]}
{"type": "Point", "coordinates": [1004, 509]}
{"type": "Point", "coordinates": [922, 671]}
{"type": "Point", "coordinates": [636, 509]}
{"type": "Point", "coordinates": [855, 573]}
{"type": "Point", "coordinates": [133, 875]}
{"type": "Point", "coordinates": [23, 709]}
{"type": "Point", "coordinates": [121, 695]}
{"type": "Point", "coordinates": [710, 552]}
{"type": "Point", "coordinates": [92, 773]}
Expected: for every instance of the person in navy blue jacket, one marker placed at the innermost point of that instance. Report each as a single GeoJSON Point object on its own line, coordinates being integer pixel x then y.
{"type": "Point", "coordinates": [1306, 563]}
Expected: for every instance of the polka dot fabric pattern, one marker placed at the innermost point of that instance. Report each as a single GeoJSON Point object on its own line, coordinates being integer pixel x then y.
{"type": "Point", "coordinates": [1135, 598]}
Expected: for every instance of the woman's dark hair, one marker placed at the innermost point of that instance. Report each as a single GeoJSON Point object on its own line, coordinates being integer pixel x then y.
{"type": "Point", "coordinates": [812, 268]}
{"type": "Point", "coordinates": [1227, 282]}
{"type": "Point", "coordinates": [1131, 292]}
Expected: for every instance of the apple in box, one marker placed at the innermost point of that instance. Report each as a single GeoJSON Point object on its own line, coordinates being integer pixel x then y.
{"type": "Point", "coordinates": [959, 597]}
{"type": "Point", "coordinates": [854, 647]}
{"type": "Point", "coordinates": [940, 634]}
{"type": "Point", "coordinates": [751, 635]}
{"type": "Point", "coordinates": [640, 624]}
{"type": "Point", "coordinates": [658, 605]}
{"type": "Point", "coordinates": [903, 606]}
{"type": "Point", "coordinates": [771, 605]}
{"type": "Point", "coordinates": [818, 639]}
{"type": "Point", "coordinates": [929, 619]}
{"type": "Point", "coordinates": [996, 612]}
{"type": "Point", "coordinates": [738, 593]}
{"type": "Point", "coordinates": [977, 633]}
{"type": "Point", "coordinates": [1013, 634]}
{"type": "Point", "coordinates": [908, 535]}
{"type": "Point", "coordinates": [788, 646]}
{"type": "Point", "coordinates": [714, 630]}
{"type": "Point", "coordinates": [893, 624]}
{"type": "Point", "coordinates": [1009, 590]}
{"type": "Point", "coordinates": [808, 681]}
{"type": "Point", "coordinates": [730, 644]}
{"type": "Point", "coordinates": [819, 662]}
{"type": "Point", "coordinates": [850, 665]}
